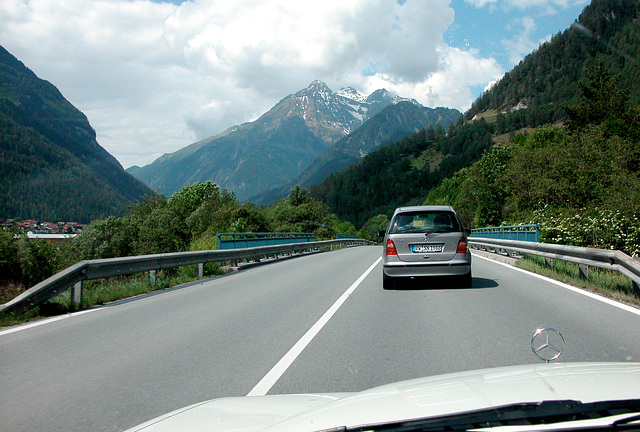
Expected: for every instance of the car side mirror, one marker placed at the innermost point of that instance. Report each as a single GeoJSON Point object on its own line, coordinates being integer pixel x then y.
{"type": "Point", "coordinates": [381, 233]}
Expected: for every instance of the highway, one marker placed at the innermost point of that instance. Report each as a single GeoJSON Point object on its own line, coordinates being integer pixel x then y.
{"type": "Point", "coordinates": [316, 323]}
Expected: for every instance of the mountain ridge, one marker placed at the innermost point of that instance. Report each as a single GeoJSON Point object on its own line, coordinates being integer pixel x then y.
{"type": "Point", "coordinates": [51, 164]}
{"type": "Point", "coordinates": [391, 124]}
{"type": "Point", "coordinates": [269, 152]}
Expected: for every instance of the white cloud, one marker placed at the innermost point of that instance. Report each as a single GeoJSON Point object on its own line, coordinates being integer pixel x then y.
{"type": "Point", "coordinates": [527, 4]}
{"type": "Point", "coordinates": [522, 44]}
{"type": "Point", "coordinates": [481, 3]}
{"type": "Point", "coordinates": [154, 77]}
{"type": "Point", "coordinates": [450, 85]}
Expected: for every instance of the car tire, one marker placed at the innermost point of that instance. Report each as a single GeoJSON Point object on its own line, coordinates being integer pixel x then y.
{"type": "Point", "coordinates": [388, 283]}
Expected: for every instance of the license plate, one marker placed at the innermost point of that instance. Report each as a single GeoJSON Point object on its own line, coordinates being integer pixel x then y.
{"type": "Point", "coordinates": [427, 248]}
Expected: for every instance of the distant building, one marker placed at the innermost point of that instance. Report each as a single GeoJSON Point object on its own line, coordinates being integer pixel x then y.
{"type": "Point", "coordinates": [55, 239]}
{"type": "Point", "coordinates": [39, 227]}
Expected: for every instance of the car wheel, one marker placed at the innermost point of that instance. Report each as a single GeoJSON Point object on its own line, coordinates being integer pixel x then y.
{"type": "Point", "coordinates": [388, 282]}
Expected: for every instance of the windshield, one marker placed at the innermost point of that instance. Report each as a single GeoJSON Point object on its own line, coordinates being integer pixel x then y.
{"type": "Point", "coordinates": [424, 222]}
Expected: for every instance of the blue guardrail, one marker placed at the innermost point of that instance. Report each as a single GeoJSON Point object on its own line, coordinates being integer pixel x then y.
{"type": "Point", "coordinates": [247, 240]}
{"type": "Point", "coordinates": [516, 232]}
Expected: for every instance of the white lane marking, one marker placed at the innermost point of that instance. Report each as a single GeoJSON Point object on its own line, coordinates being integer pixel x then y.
{"type": "Point", "coordinates": [598, 297]}
{"type": "Point", "coordinates": [44, 321]}
{"type": "Point", "coordinates": [280, 368]}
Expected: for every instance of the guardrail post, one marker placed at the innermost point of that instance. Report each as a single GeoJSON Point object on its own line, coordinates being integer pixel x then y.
{"type": "Point", "coordinates": [153, 277]}
{"type": "Point", "coordinates": [635, 288]}
{"type": "Point", "coordinates": [549, 261]}
{"type": "Point", "coordinates": [583, 271]}
{"type": "Point", "coordinates": [200, 270]}
{"type": "Point", "coordinates": [76, 295]}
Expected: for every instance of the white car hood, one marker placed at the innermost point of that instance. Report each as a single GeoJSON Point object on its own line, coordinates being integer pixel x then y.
{"type": "Point", "coordinates": [418, 398]}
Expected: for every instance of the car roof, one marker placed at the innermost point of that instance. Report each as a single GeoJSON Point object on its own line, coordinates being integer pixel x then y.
{"type": "Point", "coordinates": [422, 208]}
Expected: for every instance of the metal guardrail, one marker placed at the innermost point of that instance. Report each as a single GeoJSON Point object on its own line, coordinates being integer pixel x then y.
{"type": "Point", "coordinates": [72, 277]}
{"type": "Point", "coordinates": [601, 258]}
{"type": "Point", "coordinates": [515, 232]}
{"type": "Point", "coordinates": [245, 240]}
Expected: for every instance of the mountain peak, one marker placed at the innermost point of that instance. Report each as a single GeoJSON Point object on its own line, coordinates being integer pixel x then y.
{"type": "Point", "coordinates": [318, 83]}
{"type": "Point", "coordinates": [384, 96]}
{"type": "Point", "coordinates": [351, 93]}
{"type": "Point", "coordinates": [379, 94]}
{"type": "Point", "coordinates": [331, 115]}
{"type": "Point", "coordinates": [316, 87]}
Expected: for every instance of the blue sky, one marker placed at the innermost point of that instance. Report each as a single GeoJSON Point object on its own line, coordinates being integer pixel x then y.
{"type": "Point", "coordinates": [156, 76]}
{"type": "Point", "coordinates": [492, 28]}
{"type": "Point", "coordinates": [508, 31]}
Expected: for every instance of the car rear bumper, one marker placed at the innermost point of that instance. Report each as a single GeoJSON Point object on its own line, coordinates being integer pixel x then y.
{"type": "Point", "coordinates": [432, 269]}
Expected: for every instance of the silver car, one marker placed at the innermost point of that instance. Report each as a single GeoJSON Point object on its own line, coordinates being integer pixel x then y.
{"type": "Point", "coordinates": [425, 241]}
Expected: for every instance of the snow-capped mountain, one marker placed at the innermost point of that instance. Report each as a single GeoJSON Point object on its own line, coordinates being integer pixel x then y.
{"type": "Point", "coordinates": [272, 150]}
{"type": "Point", "coordinates": [331, 115]}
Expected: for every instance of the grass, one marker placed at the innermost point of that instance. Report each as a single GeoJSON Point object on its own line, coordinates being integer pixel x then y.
{"type": "Point", "coordinates": [489, 115]}
{"type": "Point", "coordinates": [607, 283]}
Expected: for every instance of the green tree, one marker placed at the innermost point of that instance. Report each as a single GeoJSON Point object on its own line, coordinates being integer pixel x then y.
{"type": "Point", "coordinates": [298, 196]}
{"type": "Point", "coordinates": [300, 212]}
{"type": "Point", "coordinates": [485, 187]}
{"type": "Point", "coordinates": [343, 227]}
{"type": "Point", "coordinates": [373, 226]}
{"type": "Point", "coordinates": [588, 168]}
{"type": "Point", "coordinates": [9, 263]}
{"type": "Point", "coordinates": [38, 260]}
{"type": "Point", "coordinates": [162, 231]}
{"type": "Point", "coordinates": [605, 104]}
{"type": "Point", "coordinates": [247, 218]}
{"type": "Point", "coordinates": [136, 217]}
{"type": "Point", "coordinates": [188, 199]}
{"type": "Point", "coordinates": [102, 238]}
{"type": "Point", "coordinates": [215, 213]}
{"type": "Point", "coordinates": [449, 192]}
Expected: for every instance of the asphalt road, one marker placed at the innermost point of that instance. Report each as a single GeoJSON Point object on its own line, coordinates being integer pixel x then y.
{"type": "Point", "coordinates": [316, 323]}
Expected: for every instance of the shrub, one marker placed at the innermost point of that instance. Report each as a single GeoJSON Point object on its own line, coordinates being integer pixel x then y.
{"type": "Point", "coordinates": [599, 228]}
{"type": "Point", "coordinates": [9, 264]}
{"type": "Point", "coordinates": [38, 260]}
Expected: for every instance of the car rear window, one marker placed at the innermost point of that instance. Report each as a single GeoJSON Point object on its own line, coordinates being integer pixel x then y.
{"type": "Point", "coordinates": [432, 221]}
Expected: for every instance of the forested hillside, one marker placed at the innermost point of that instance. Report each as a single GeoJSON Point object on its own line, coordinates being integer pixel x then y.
{"type": "Point", "coordinates": [51, 167]}
{"type": "Point", "coordinates": [541, 90]}
{"type": "Point", "coordinates": [580, 182]}
{"type": "Point", "coordinates": [391, 124]}
{"type": "Point", "coordinates": [536, 91]}
{"type": "Point", "coordinates": [402, 173]}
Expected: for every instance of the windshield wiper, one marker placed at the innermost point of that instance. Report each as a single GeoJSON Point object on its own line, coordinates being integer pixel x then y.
{"type": "Point", "coordinates": [520, 414]}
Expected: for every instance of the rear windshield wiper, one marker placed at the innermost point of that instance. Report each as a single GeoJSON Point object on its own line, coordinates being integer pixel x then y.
{"type": "Point", "coordinates": [521, 414]}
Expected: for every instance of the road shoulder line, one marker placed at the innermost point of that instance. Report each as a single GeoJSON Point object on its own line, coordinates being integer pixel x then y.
{"type": "Point", "coordinates": [584, 292]}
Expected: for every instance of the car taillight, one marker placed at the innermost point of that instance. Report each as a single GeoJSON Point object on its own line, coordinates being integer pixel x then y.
{"type": "Point", "coordinates": [462, 246]}
{"type": "Point", "coordinates": [391, 248]}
